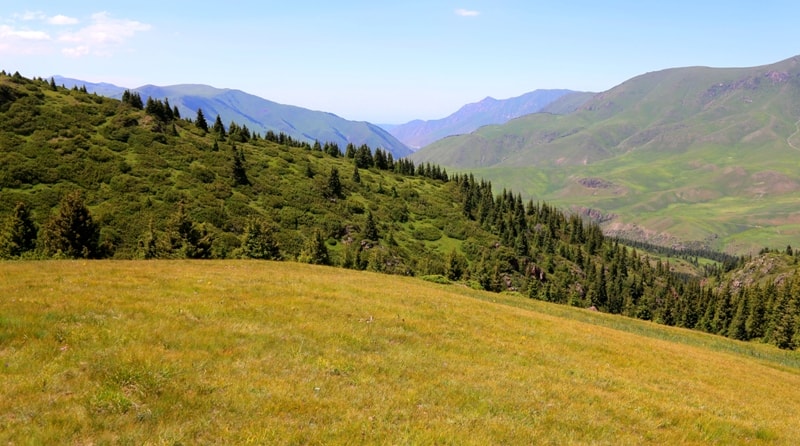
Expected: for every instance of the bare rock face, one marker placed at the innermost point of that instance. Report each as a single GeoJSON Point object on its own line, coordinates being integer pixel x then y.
{"type": "Point", "coordinates": [595, 183]}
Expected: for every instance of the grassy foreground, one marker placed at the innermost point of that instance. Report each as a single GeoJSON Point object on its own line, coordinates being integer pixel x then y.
{"type": "Point", "coordinates": [237, 352]}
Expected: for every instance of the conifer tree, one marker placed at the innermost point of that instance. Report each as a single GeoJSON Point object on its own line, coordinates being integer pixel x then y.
{"type": "Point", "coordinates": [334, 186]}
{"type": "Point", "coordinates": [332, 149]}
{"type": "Point", "coordinates": [370, 230]}
{"type": "Point", "coordinates": [258, 241]}
{"type": "Point", "coordinates": [315, 251]}
{"type": "Point", "coordinates": [350, 151]}
{"type": "Point", "coordinates": [363, 157]}
{"type": "Point", "coordinates": [455, 265]}
{"type": "Point", "coordinates": [737, 328]}
{"type": "Point", "coordinates": [783, 324]}
{"type": "Point", "coordinates": [356, 175]}
{"type": "Point", "coordinates": [218, 128]}
{"type": "Point", "coordinates": [18, 236]}
{"type": "Point", "coordinates": [134, 99]}
{"type": "Point", "coordinates": [148, 245]}
{"type": "Point", "coordinates": [239, 172]}
{"type": "Point", "coordinates": [756, 318]}
{"type": "Point", "coordinates": [168, 114]}
{"type": "Point", "coordinates": [200, 121]}
{"type": "Point", "coordinates": [72, 232]}
{"type": "Point", "coordinates": [187, 240]}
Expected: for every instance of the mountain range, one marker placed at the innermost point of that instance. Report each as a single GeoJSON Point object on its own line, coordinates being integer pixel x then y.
{"type": "Point", "coordinates": [418, 133]}
{"type": "Point", "coordinates": [258, 114]}
{"type": "Point", "coordinates": [697, 155]}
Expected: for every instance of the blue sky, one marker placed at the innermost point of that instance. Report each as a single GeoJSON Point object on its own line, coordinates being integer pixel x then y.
{"type": "Point", "coordinates": [388, 62]}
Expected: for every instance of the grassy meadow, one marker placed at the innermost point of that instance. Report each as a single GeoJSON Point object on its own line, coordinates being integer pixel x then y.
{"type": "Point", "coordinates": [250, 352]}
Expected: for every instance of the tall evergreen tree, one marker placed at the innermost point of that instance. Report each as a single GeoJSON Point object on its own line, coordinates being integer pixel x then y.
{"type": "Point", "coordinates": [334, 186]}
{"type": "Point", "coordinates": [315, 251]}
{"type": "Point", "coordinates": [738, 326]}
{"type": "Point", "coordinates": [784, 319]}
{"type": "Point", "coordinates": [455, 265]}
{"type": "Point", "coordinates": [218, 128]}
{"type": "Point", "coordinates": [370, 229]}
{"type": "Point", "coordinates": [148, 244]}
{"type": "Point", "coordinates": [258, 241]}
{"type": "Point", "coordinates": [72, 232]}
{"type": "Point", "coordinates": [363, 157]}
{"type": "Point", "coordinates": [18, 235]}
{"type": "Point", "coordinates": [200, 121]}
{"type": "Point", "coordinates": [239, 172]}
{"type": "Point", "coordinates": [756, 318]}
{"type": "Point", "coordinates": [187, 240]}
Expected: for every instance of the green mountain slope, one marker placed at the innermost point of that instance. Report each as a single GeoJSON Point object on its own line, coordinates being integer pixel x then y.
{"type": "Point", "coordinates": [702, 155]}
{"type": "Point", "coordinates": [282, 353]}
{"type": "Point", "coordinates": [258, 114]}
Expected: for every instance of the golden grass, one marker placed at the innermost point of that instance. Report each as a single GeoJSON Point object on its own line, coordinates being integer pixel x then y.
{"type": "Point", "coordinates": [238, 352]}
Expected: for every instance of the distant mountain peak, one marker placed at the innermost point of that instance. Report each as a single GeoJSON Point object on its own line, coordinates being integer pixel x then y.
{"type": "Point", "coordinates": [487, 111]}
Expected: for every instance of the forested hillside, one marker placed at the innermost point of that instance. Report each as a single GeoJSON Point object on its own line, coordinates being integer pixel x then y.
{"type": "Point", "coordinates": [88, 177]}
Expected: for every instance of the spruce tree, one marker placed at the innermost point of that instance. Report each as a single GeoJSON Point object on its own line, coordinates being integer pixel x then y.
{"type": "Point", "coordinates": [363, 157]}
{"type": "Point", "coordinates": [334, 186]}
{"type": "Point", "coordinates": [315, 251]}
{"type": "Point", "coordinates": [239, 172]}
{"type": "Point", "coordinates": [737, 328]}
{"type": "Point", "coordinates": [756, 318]}
{"type": "Point", "coordinates": [258, 241]}
{"type": "Point", "coordinates": [218, 128]}
{"type": "Point", "coordinates": [783, 324]}
{"type": "Point", "coordinates": [72, 232]}
{"type": "Point", "coordinates": [18, 236]}
{"type": "Point", "coordinates": [200, 120]}
{"type": "Point", "coordinates": [185, 239]}
{"type": "Point", "coordinates": [148, 245]}
{"type": "Point", "coordinates": [370, 229]}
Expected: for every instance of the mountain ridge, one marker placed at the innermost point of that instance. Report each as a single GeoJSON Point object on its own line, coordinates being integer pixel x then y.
{"type": "Point", "coordinates": [419, 133]}
{"type": "Point", "coordinates": [259, 114]}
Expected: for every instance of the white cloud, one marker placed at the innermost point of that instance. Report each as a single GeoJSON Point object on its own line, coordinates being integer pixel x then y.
{"type": "Point", "coordinates": [62, 20]}
{"type": "Point", "coordinates": [467, 13]}
{"type": "Point", "coordinates": [78, 51]}
{"type": "Point", "coordinates": [8, 33]}
{"type": "Point", "coordinates": [30, 15]}
{"type": "Point", "coordinates": [101, 36]}
{"type": "Point", "coordinates": [23, 41]}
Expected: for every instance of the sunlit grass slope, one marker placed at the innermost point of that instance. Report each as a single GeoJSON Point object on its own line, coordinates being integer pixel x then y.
{"type": "Point", "coordinates": [237, 352]}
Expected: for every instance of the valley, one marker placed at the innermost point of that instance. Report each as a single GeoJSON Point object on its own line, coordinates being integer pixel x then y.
{"type": "Point", "coordinates": [206, 236]}
{"type": "Point", "coordinates": [697, 156]}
